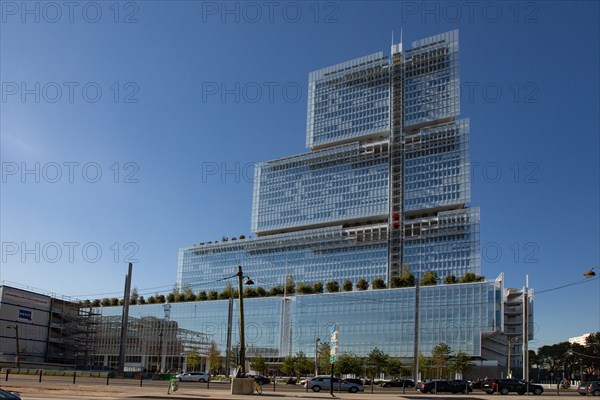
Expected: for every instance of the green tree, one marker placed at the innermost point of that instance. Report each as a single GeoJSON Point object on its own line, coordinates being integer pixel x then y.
{"type": "Point", "coordinates": [395, 282]}
{"type": "Point", "coordinates": [378, 283]}
{"type": "Point", "coordinates": [188, 293]}
{"type": "Point", "coordinates": [214, 358]}
{"type": "Point", "coordinates": [303, 364]}
{"type": "Point", "coordinates": [471, 277]}
{"type": "Point", "coordinates": [133, 299]}
{"type": "Point", "coordinates": [333, 286]}
{"type": "Point", "coordinates": [362, 284]}
{"type": "Point", "coordinates": [375, 362]}
{"type": "Point", "coordinates": [250, 292]}
{"type": "Point", "coordinates": [142, 300]}
{"type": "Point", "coordinates": [429, 278]}
{"type": "Point", "coordinates": [202, 296]}
{"type": "Point", "coordinates": [425, 365]}
{"type": "Point", "coordinates": [261, 292]}
{"type": "Point", "coordinates": [213, 295]}
{"type": "Point", "coordinates": [461, 363]}
{"type": "Point", "coordinates": [227, 292]}
{"type": "Point", "coordinates": [450, 279]}
{"type": "Point", "coordinates": [193, 359]}
{"type": "Point", "coordinates": [276, 290]}
{"type": "Point", "coordinates": [347, 286]}
{"type": "Point", "coordinates": [318, 287]}
{"type": "Point", "coordinates": [440, 355]}
{"type": "Point", "coordinates": [349, 363]}
{"type": "Point", "coordinates": [323, 358]}
{"type": "Point", "coordinates": [114, 301]}
{"type": "Point", "coordinates": [407, 279]}
{"type": "Point", "coordinates": [96, 303]}
{"type": "Point", "coordinates": [171, 297]}
{"type": "Point", "coordinates": [288, 365]}
{"type": "Point", "coordinates": [393, 367]}
{"type": "Point", "coordinates": [105, 302]}
{"type": "Point", "coordinates": [290, 287]}
{"type": "Point", "coordinates": [160, 298]}
{"type": "Point", "coordinates": [304, 288]}
{"type": "Point", "coordinates": [258, 364]}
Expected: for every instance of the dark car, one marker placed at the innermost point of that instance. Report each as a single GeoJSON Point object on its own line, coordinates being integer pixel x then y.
{"type": "Point", "coordinates": [505, 386]}
{"type": "Point", "coordinates": [263, 380]}
{"type": "Point", "coordinates": [456, 386]}
{"type": "Point", "coordinates": [9, 395]}
{"type": "Point", "coordinates": [399, 383]}
{"type": "Point", "coordinates": [589, 387]}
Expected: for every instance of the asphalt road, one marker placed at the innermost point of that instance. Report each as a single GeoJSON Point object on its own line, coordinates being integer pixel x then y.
{"type": "Point", "coordinates": [62, 388]}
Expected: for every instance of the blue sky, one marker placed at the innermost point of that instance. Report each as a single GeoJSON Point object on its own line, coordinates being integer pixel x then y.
{"type": "Point", "coordinates": [143, 121]}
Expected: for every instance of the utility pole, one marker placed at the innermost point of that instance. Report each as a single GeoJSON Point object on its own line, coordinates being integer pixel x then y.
{"type": "Point", "coordinates": [125, 318]}
{"type": "Point", "coordinates": [18, 352]}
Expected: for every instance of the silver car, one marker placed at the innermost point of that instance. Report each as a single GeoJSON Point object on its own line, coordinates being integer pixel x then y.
{"type": "Point", "coordinates": [193, 377]}
{"type": "Point", "coordinates": [319, 383]}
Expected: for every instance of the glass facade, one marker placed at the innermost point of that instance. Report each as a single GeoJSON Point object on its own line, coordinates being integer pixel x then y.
{"type": "Point", "coordinates": [436, 167]}
{"type": "Point", "coordinates": [348, 100]}
{"type": "Point", "coordinates": [322, 187]}
{"type": "Point", "coordinates": [308, 256]}
{"type": "Point", "coordinates": [276, 326]}
{"type": "Point", "coordinates": [447, 243]}
{"type": "Point", "coordinates": [431, 82]}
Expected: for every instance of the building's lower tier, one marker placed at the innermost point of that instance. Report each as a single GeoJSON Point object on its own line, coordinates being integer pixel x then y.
{"type": "Point", "coordinates": [460, 315]}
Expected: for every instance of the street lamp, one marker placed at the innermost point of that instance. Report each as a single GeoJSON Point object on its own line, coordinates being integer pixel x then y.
{"type": "Point", "coordinates": [317, 340]}
{"type": "Point", "coordinates": [590, 274]}
{"type": "Point", "coordinates": [249, 281]}
{"type": "Point", "coordinates": [18, 356]}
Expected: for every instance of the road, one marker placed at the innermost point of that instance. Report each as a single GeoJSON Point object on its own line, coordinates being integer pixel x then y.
{"type": "Point", "coordinates": [62, 388]}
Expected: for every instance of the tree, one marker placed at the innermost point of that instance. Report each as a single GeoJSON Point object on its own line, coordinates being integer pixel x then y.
{"type": "Point", "coordinates": [440, 355]}
{"type": "Point", "coordinates": [323, 358]}
{"type": "Point", "coordinates": [362, 284]}
{"type": "Point", "coordinates": [114, 301]}
{"type": "Point", "coordinates": [171, 297]}
{"type": "Point", "coordinates": [142, 300]}
{"type": "Point", "coordinates": [213, 295]}
{"type": "Point", "coordinates": [378, 283]}
{"type": "Point", "coordinates": [347, 286]}
{"type": "Point", "coordinates": [276, 290]}
{"type": "Point", "coordinates": [227, 292]}
{"type": "Point", "coordinates": [258, 364]}
{"type": "Point", "coordinates": [304, 288]}
{"type": "Point", "coordinates": [160, 298]}
{"type": "Point", "coordinates": [261, 292]}
{"type": "Point", "coordinates": [202, 296]}
{"type": "Point", "coordinates": [288, 365]}
{"type": "Point", "coordinates": [96, 303]}
{"type": "Point", "coordinates": [303, 365]}
{"type": "Point", "coordinates": [407, 279]}
{"type": "Point", "coordinates": [461, 363]}
{"type": "Point", "coordinates": [105, 302]}
{"type": "Point", "coordinates": [450, 279]}
{"type": "Point", "coordinates": [376, 362]}
{"type": "Point", "coordinates": [214, 358]}
{"type": "Point", "coordinates": [250, 292]}
{"type": "Point", "coordinates": [333, 286]}
{"type": "Point", "coordinates": [188, 293]}
{"type": "Point", "coordinates": [133, 299]}
{"type": "Point", "coordinates": [429, 278]}
{"type": "Point", "coordinates": [471, 277]}
{"type": "Point", "coordinates": [318, 287]}
{"type": "Point", "coordinates": [393, 367]}
{"type": "Point", "coordinates": [193, 359]}
{"type": "Point", "coordinates": [290, 287]}
{"type": "Point", "coordinates": [349, 363]}
{"type": "Point", "coordinates": [425, 364]}
{"type": "Point", "coordinates": [395, 282]}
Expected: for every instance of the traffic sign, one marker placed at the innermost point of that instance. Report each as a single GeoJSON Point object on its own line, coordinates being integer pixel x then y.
{"type": "Point", "coordinates": [332, 359]}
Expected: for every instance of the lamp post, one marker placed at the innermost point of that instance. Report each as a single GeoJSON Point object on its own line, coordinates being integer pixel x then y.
{"type": "Point", "coordinates": [18, 356]}
{"type": "Point", "coordinates": [317, 340]}
{"type": "Point", "coordinates": [249, 281]}
{"type": "Point", "coordinates": [590, 274]}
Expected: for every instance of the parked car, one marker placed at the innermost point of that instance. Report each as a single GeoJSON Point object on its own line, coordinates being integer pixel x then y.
{"type": "Point", "coordinates": [409, 383]}
{"type": "Point", "coordinates": [455, 386]}
{"type": "Point", "coordinates": [505, 386]}
{"type": "Point", "coordinates": [319, 383]}
{"type": "Point", "coordinates": [194, 377]}
{"type": "Point", "coordinates": [9, 395]}
{"type": "Point", "coordinates": [592, 387]}
{"type": "Point", "coordinates": [263, 380]}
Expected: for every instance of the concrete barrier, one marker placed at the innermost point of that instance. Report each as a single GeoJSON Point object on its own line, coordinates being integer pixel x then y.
{"type": "Point", "coordinates": [242, 386]}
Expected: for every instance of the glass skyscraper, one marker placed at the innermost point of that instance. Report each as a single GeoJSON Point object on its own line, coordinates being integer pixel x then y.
{"type": "Point", "coordinates": [383, 189]}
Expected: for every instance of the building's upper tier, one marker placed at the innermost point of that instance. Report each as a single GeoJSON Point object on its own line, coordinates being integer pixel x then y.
{"type": "Point", "coordinates": [352, 100]}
